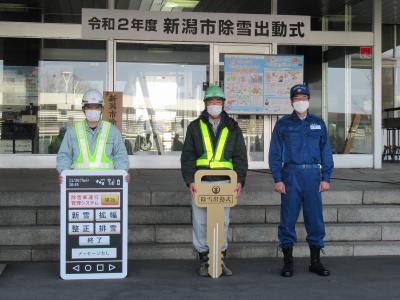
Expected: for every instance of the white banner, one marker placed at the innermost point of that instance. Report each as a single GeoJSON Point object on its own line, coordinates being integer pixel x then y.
{"type": "Point", "coordinates": [193, 26]}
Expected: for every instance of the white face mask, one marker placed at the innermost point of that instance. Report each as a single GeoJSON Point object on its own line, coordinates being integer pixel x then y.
{"type": "Point", "coordinates": [214, 110]}
{"type": "Point", "coordinates": [93, 115]}
{"type": "Point", "coordinates": [301, 106]}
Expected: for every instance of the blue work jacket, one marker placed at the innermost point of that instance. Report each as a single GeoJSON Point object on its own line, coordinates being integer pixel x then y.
{"type": "Point", "coordinates": [299, 142]}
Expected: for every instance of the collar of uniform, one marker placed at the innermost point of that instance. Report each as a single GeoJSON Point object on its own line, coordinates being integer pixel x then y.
{"type": "Point", "coordinates": [210, 120]}
{"type": "Point", "coordinates": [224, 121]}
{"type": "Point", "coordinates": [88, 129]}
{"type": "Point", "coordinates": [295, 117]}
{"type": "Point", "coordinates": [214, 125]}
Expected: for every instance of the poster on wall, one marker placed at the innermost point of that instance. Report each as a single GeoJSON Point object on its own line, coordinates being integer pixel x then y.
{"type": "Point", "coordinates": [260, 84]}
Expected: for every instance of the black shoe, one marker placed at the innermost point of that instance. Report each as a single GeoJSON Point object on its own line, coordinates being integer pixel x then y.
{"type": "Point", "coordinates": [287, 270]}
{"type": "Point", "coordinates": [225, 270]}
{"type": "Point", "coordinates": [203, 269]}
{"type": "Point", "coordinates": [316, 266]}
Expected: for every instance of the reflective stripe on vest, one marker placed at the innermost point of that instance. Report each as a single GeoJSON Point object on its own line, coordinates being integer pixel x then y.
{"type": "Point", "coordinates": [98, 160]}
{"type": "Point", "coordinates": [208, 159]}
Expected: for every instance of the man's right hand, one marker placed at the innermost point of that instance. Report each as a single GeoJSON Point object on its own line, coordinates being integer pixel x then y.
{"type": "Point", "coordinates": [192, 189]}
{"type": "Point", "coordinates": [60, 180]}
{"type": "Point", "coordinates": [280, 187]}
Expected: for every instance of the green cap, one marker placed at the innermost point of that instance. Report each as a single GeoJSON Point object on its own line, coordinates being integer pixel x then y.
{"type": "Point", "coordinates": [214, 92]}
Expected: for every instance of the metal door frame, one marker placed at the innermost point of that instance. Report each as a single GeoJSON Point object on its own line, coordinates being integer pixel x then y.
{"type": "Point", "coordinates": [148, 161]}
{"type": "Point", "coordinates": [252, 49]}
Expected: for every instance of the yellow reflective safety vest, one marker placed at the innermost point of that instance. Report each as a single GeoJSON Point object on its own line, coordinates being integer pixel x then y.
{"type": "Point", "coordinates": [97, 160]}
{"type": "Point", "coordinates": [210, 159]}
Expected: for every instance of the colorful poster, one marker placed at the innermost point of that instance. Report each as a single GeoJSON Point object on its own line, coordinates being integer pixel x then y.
{"type": "Point", "coordinates": [244, 83]}
{"type": "Point", "coordinates": [280, 74]}
{"type": "Point", "coordinates": [260, 84]}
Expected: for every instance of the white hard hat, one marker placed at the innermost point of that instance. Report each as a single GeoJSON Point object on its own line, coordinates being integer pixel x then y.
{"type": "Point", "coordinates": [92, 97]}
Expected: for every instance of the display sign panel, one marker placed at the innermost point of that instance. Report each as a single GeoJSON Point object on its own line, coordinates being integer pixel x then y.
{"type": "Point", "coordinates": [94, 225]}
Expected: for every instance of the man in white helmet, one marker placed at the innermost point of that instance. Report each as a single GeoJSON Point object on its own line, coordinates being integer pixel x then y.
{"type": "Point", "coordinates": [92, 144]}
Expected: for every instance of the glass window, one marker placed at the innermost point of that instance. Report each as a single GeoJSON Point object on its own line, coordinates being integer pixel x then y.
{"type": "Point", "coordinates": [387, 41]}
{"type": "Point", "coordinates": [396, 96]}
{"type": "Point", "coordinates": [387, 88]}
{"type": "Point", "coordinates": [47, 11]}
{"type": "Point", "coordinates": [312, 72]}
{"type": "Point", "coordinates": [390, 69]}
{"type": "Point", "coordinates": [361, 15]}
{"type": "Point", "coordinates": [252, 127]}
{"type": "Point", "coordinates": [397, 91]}
{"type": "Point", "coordinates": [397, 37]}
{"type": "Point", "coordinates": [18, 97]}
{"type": "Point", "coordinates": [349, 99]}
{"type": "Point", "coordinates": [41, 85]}
{"type": "Point", "coordinates": [242, 6]}
{"type": "Point", "coordinates": [162, 89]}
{"type": "Point", "coordinates": [332, 13]}
{"type": "Point", "coordinates": [292, 7]}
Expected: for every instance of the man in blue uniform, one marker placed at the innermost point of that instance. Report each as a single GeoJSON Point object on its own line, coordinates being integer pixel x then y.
{"type": "Point", "coordinates": [300, 158]}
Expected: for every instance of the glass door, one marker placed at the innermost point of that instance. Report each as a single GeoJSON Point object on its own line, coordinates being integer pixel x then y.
{"type": "Point", "coordinates": [256, 129]}
{"type": "Point", "coordinates": [349, 103]}
{"type": "Point", "coordinates": [162, 87]}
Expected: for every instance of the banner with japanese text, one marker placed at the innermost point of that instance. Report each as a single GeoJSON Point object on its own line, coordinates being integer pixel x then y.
{"type": "Point", "coordinates": [113, 108]}
{"type": "Point", "coordinates": [260, 84]}
{"type": "Point", "coordinates": [193, 26]}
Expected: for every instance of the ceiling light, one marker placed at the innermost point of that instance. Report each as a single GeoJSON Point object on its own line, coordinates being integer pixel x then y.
{"type": "Point", "coordinates": [181, 3]}
{"type": "Point", "coordinates": [13, 7]}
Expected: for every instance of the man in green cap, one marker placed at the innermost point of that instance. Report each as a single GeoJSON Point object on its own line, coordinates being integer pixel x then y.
{"type": "Point", "coordinates": [213, 141]}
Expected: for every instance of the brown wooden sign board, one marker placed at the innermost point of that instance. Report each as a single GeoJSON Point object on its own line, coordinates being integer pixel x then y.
{"type": "Point", "coordinates": [113, 108]}
{"type": "Point", "coordinates": [215, 197]}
